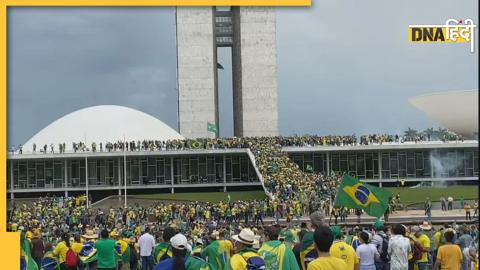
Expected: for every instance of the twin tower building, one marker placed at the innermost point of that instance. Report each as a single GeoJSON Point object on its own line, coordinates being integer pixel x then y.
{"type": "Point", "coordinates": [251, 34]}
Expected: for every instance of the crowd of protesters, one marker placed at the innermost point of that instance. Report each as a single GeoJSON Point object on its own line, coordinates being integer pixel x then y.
{"type": "Point", "coordinates": [180, 236]}
{"type": "Point", "coordinates": [225, 143]}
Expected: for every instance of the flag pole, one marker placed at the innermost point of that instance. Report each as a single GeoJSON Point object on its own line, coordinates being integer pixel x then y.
{"type": "Point", "coordinates": [125, 169]}
{"type": "Point", "coordinates": [86, 170]}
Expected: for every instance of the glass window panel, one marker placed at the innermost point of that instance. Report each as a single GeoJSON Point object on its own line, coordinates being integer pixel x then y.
{"type": "Point", "coordinates": [58, 171]}
{"type": "Point", "coordinates": [40, 171]}
{"type": "Point", "coordinates": [385, 161]}
{"type": "Point", "coordinates": [369, 161]}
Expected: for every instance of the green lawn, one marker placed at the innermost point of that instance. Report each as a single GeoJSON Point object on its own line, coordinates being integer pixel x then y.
{"type": "Point", "coordinates": [416, 195]}
{"type": "Point", "coordinates": [206, 196]}
{"type": "Point", "coordinates": [407, 195]}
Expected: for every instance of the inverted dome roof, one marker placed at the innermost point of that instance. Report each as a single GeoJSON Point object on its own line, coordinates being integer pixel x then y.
{"type": "Point", "coordinates": [105, 123]}
{"type": "Point", "coordinates": [455, 110]}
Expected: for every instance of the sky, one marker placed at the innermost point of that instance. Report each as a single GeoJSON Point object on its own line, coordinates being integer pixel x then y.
{"type": "Point", "coordinates": [344, 67]}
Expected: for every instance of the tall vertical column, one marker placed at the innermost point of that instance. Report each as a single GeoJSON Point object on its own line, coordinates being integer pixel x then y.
{"type": "Point", "coordinates": [379, 165]}
{"type": "Point", "coordinates": [86, 181]}
{"type": "Point", "coordinates": [119, 171]}
{"type": "Point", "coordinates": [12, 196]}
{"type": "Point", "coordinates": [65, 176]}
{"type": "Point", "coordinates": [224, 174]}
{"type": "Point", "coordinates": [196, 71]}
{"type": "Point", "coordinates": [172, 190]}
{"type": "Point", "coordinates": [254, 61]}
{"type": "Point", "coordinates": [328, 163]}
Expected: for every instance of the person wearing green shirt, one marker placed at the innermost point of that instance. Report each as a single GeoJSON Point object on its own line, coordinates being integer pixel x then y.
{"type": "Point", "coordinates": [214, 254]}
{"type": "Point", "coordinates": [276, 254]}
{"type": "Point", "coordinates": [308, 251]}
{"type": "Point", "coordinates": [106, 254]}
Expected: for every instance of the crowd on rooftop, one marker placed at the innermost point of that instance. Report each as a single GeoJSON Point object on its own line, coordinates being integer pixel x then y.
{"type": "Point", "coordinates": [229, 143]}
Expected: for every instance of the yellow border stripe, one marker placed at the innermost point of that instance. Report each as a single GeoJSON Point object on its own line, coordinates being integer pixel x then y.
{"type": "Point", "coordinates": [159, 3]}
{"type": "Point", "coordinates": [10, 247]}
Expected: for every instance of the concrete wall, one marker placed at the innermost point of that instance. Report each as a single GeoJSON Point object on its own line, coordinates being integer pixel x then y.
{"type": "Point", "coordinates": [197, 71]}
{"type": "Point", "coordinates": [254, 64]}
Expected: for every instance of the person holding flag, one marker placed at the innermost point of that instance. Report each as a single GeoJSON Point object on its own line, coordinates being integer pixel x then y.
{"type": "Point", "coordinates": [275, 253]}
{"type": "Point", "coordinates": [26, 260]}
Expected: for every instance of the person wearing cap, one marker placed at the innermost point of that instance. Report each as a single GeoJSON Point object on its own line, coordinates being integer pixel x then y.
{"type": "Point", "coordinates": [378, 239]}
{"type": "Point", "coordinates": [147, 244]}
{"type": "Point", "coordinates": [449, 255]}
{"type": "Point", "coordinates": [308, 252]}
{"type": "Point", "coordinates": [162, 250]}
{"type": "Point", "coordinates": [180, 259]}
{"type": "Point", "coordinates": [323, 239]}
{"type": "Point", "coordinates": [243, 244]}
{"type": "Point", "coordinates": [424, 241]}
{"type": "Point", "coordinates": [340, 249]}
{"type": "Point", "coordinates": [214, 254]}
{"type": "Point", "coordinates": [276, 253]}
{"type": "Point", "coordinates": [399, 248]}
{"type": "Point", "coordinates": [287, 236]}
{"type": "Point", "coordinates": [106, 253]}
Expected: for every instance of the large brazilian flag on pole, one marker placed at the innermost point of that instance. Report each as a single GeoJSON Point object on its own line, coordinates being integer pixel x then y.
{"type": "Point", "coordinates": [354, 194]}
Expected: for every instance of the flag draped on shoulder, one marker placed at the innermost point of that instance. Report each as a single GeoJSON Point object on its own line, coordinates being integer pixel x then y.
{"type": "Point", "coordinates": [26, 260]}
{"type": "Point", "coordinates": [354, 194]}
{"type": "Point", "coordinates": [88, 254]}
{"type": "Point", "coordinates": [278, 256]}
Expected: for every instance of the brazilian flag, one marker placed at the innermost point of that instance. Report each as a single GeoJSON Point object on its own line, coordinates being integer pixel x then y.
{"type": "Point", "coordinates": [211, 127]}
{"type": "Point", "coordinates": [26, 260]}
{"type": "Point", "coordinates": [354, 194]}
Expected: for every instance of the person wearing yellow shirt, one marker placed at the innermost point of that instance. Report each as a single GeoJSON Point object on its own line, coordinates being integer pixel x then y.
{"type": "Point", "coordinates": [340, 249]}
{"type": "Point", "coordinates": [449, 255]}
{"type": "Point", "coordinates": [423, 239]}
{"type": "Point", "coordinates": [77, 245]}
{"type": "Point", "coordinates": [60, 251]}
{"type": "Point", "coordinates": [437, 238]}
{"type": "Point", "coordinates": [323, 238]}
{"type": "Point", "coordinates": [225, 245]}
{"type": "Point", "coordinates": [243, 249]}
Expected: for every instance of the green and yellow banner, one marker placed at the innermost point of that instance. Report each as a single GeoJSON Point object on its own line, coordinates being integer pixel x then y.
{"type": "Point", "coordinates": [354, 194]}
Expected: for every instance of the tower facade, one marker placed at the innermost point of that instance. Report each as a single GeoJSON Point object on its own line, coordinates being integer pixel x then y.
{"type": "Point", "coordinates": [251, 33]}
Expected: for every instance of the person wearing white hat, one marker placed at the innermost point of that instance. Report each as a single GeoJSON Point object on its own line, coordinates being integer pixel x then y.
{"type": "Point", "coordinates": [245, 255]}
{"type": "Point", "coordinates": [180, 260]}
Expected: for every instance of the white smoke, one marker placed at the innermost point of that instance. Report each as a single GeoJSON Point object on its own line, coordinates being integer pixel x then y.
{"type": "Point", "coordinates": [444, 166]}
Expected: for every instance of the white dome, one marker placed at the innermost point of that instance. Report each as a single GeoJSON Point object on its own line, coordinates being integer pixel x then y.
{"type": "Point", "coordinates": [101, 124]}
{"type": "Point", "coordinates": [455, 110]}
